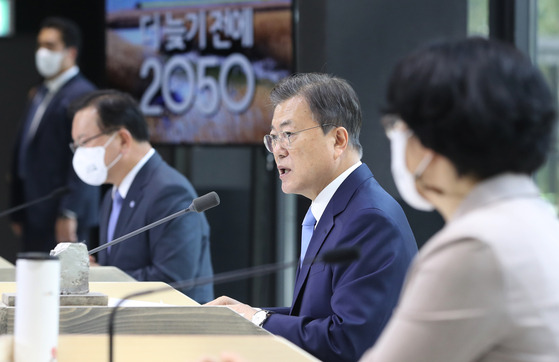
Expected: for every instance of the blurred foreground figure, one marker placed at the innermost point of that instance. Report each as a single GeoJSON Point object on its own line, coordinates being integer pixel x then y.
{"type": "Point", "coordinates": [469, 123]}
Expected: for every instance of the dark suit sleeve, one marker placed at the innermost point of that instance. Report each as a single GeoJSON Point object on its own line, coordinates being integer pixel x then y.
{"type": "Point", "coordinates": [82, 199]}
{"type": "Point", "coordinates": [16, 189]}
{"type": "Point", "coordinates": [175, 246]}
{"type": "Point", "coordinates": [362, 296]}
{"type": "Point", "coordinates": [279, 310]}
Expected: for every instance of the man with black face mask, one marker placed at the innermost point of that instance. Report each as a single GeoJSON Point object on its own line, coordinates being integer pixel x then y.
{"type": "Point", "coordinates": [41, 158]}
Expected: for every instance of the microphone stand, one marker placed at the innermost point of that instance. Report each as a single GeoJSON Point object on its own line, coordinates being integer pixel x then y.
{"type": "Point", "coordinates": [55, 193]}
{"type": "Point", "coordinates": [218, 278]}
{"type": "Point", "coordinates": [199, 204]}
{"type": "Point", "coordinates": [341, 255]}
{"type": "Point", "coordinates": [140, 230]}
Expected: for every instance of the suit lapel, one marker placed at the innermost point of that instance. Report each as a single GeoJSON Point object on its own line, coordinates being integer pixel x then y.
{"type": "Point", "coordinates": [104, 222]}
{"type": "Point", "coordinates": [50, 106]}
{"type": "Point", "coordinates": [337, 204]}
{"type": "Point", "coordinates": [134, 198]}
{"type": "Point", "coordinates": [318, 237]}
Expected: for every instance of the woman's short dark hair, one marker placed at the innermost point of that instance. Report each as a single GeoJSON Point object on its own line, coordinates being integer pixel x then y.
{"type": "Point", "coordinates": [116, 110]}
{"type": "Point", "coordinates": [478, 102]}
{"type": "Point", "coordinates": [331, 100]}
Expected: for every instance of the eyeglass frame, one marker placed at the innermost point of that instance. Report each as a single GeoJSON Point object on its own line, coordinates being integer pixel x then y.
{"type": "Point", "coordinates": [282, 136]}
{"type": "Point", "coordinates": [73, 146]}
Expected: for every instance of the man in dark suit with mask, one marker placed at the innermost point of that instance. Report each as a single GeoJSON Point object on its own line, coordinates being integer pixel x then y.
{"type": "Point", "coordinates": [41, 158]}
{"type": "Point", "coordinates": [111, 144]}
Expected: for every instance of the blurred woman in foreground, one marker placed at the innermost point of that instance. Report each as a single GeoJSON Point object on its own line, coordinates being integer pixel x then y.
{"type": "Point", "coordinates": [469, 122]}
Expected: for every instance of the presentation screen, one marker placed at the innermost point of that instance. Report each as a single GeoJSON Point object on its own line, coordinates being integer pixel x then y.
{"type": "Point", "coordinates": [201, 71]}
{"type": "Point", "coordinates": [6, 18]}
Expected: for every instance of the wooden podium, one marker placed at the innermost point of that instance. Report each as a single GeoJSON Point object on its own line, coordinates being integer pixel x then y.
{"type": "Point", "coordinates": [163, 326]}
{"type": "Point", "coordinates": [167, 312]}
{"type": "Point", "coordinates": [96, 274]}
{"type": "Point", "coordinates": [171, 348]}
{"type": "Point", "coordinates": [5, 264]}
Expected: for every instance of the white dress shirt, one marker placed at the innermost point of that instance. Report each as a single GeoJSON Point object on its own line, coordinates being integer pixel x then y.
{"type": "Point", "coordinates": [130, 176]}
{"type": "Point", "coordinates": [321, 201]}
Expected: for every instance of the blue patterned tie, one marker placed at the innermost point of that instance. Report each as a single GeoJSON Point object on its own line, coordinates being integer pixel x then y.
{"type": "Point", "coordinates": [115, 211]}
{"type": "Point", "coordinates": [306, 234]}
{"type": "Point", "coordinates": [35, 103]}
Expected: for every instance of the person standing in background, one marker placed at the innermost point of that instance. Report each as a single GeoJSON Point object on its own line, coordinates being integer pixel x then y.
{"type": "Point", "coordinates": [42, 161]}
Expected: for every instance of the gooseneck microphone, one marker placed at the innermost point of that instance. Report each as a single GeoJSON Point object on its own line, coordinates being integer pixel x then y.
{"type": "Point", "coordinates": [199, 204]}
{"type": "Point", "coordinates": [54, 194]}
{"type": "Point", "coordinates": [205, 202]}
{"type": "Point", "coordinates": [340, 255]}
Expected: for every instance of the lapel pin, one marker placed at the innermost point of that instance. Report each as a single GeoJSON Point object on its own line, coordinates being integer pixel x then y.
{"type": "Point", "coordinates": [132, 204]}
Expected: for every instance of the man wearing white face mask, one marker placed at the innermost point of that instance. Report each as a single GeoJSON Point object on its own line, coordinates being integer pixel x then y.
{"type": "Point", "coordinates": [41, 158]}
{"type": "Point", "coordinates": [111, 145]}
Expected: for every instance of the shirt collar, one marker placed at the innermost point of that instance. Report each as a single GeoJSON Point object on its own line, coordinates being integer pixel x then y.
{"type": "Point", "coordinates": [55, 84]}
{"type": "Point", "coordinates": [495, 189]}
{"type": "Point", "coordinates": [124, 186]}
{"type": "Point", "coordinates": [319, 204]}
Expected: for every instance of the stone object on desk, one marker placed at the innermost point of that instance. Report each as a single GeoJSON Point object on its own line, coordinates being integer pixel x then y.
{"type": "Point", "coordinates": [74, 267]}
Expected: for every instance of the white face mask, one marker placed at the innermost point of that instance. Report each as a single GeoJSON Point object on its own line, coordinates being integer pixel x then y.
{"type": "Point", "coordinates": [48, 62]}
{"type": "Point", "coordinates": [89, 163]}
{"type": "Point", "coordinates": [404, 179]}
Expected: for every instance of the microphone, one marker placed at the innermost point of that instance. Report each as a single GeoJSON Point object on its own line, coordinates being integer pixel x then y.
{"type": "Point", "coordinates": [54, 194]}
{"type": "Point", "coordinates": [199, 204]}
{"type": "Point", "coordinates": [340, 255]}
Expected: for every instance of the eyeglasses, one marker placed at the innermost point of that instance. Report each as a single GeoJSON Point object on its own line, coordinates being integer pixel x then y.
{"type": "Point", "coordinates": [74, 146]}
{"type": "Point", "coordinates": [284, 138]}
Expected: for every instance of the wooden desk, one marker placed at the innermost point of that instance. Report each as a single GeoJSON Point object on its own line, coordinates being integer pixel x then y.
{"type": "Point", "coordinates": [108, 274]}
{"type": "Point", "coordinates": [5, 264]}
{"type": "Point", "coordinates": [121, 289]}
{"type": "Point", "coordinates": [96, 274]}
{"type": "Point", "coordinates": [184, 316]}
{"type": "Point", "coordinates": [149, 348]}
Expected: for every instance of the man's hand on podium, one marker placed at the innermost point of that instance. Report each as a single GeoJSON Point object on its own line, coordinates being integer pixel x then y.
{"type": "Point", "coordinates": [66, 230]}
{"type": "Point", "coordinates": [244, 310]}
{"type": "Point", "coordinates": [17, 229]}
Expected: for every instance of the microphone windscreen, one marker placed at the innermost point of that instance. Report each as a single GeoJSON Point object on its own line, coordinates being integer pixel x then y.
{"type": "Point", "coordinates": [205, 202]}
{"type": "Point", "coordinates": [341, 255]}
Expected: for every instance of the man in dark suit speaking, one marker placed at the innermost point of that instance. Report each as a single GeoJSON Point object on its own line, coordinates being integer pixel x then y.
{"type": "Point", "coordinates": [111, 146]}
{"type": "Point", "coordinates": [42, 161]}
{"type": "Point", "coordinates": [338, 311]}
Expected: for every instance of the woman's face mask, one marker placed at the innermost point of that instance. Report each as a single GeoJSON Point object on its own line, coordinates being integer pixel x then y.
{"type": "Point", "coordinates": [89, 163]}
{"type": "Point", "coordinates": [404, 179]}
